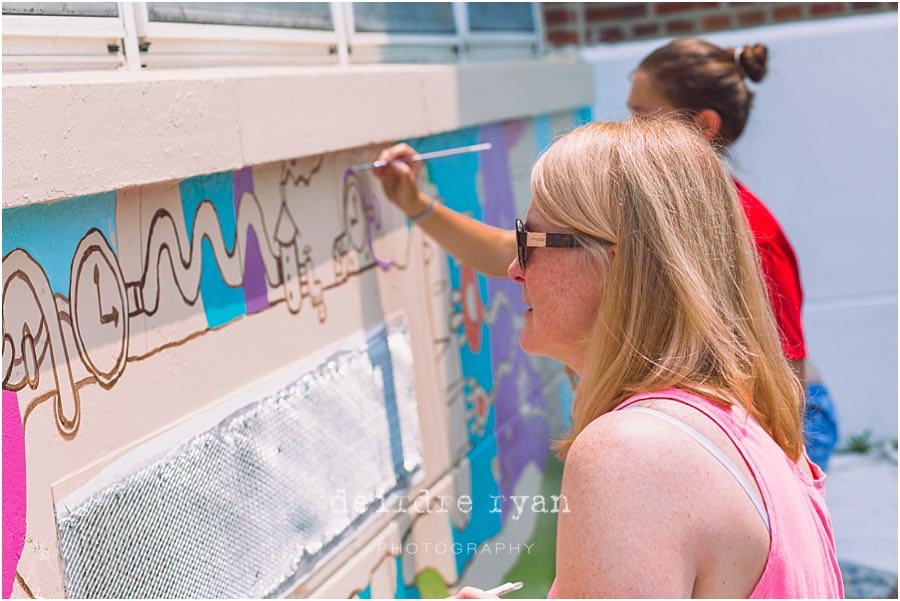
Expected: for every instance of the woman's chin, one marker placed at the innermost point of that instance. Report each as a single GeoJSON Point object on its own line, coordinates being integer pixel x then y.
{"type": "Point", "coordinates": [531, 347]}
{"type": "Point", "coordinates": [525, 342]}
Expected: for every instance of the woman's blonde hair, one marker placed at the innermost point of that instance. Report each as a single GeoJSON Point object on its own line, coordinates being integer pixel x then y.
{"type": "Point", "coordinates": [683, 301]}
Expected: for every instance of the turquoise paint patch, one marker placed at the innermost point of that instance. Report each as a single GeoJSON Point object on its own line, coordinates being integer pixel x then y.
{"type": "Point", "coordinates": [403, 591]}
{"type": "Point", "coordinates": [221, 302]}
{"type": "Point", "coordinates": [583, 115]}
{"type": "Point", "coordinates": [484, 523]}
{"type": "Point", "coordinates": [565, 404]}
{"type": "Point", "coordinates": [51, 232]}
{"type": "Point", "coordinates": [366, 593]}
{"type": "Point", "coordinates": [455, 179]}
{"type": "Point", "coordinates": [478, 366]}
{"type": "Point", "coordinates": [543, 133]}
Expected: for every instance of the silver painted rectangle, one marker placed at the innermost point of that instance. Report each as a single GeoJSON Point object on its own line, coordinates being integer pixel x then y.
{"type": "Point", "coordinates": [246, 508]}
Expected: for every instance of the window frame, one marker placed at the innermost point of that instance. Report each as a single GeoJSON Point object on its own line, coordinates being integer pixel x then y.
{"type": "Point", "coordinates": [496, 42]}
{"type": "Point", "coordinates": [191, 36]}
{"type": "Point", "coordinates": [195, 45]}
{"type": "Point", "coordinates": [434, 46]}
{"type": "Point", "coordinates": [212, 31]}
{"type": "Point", "coordinates": [21, 32]}
{"type": "Point", "coordinates": [465, 45]}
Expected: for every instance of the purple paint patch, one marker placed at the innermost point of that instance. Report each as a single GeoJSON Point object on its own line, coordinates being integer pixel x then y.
{"type": "Point", "coordinates": [256, 293]}
{"type": "Point", "coordinates": [13, 489]}
{"type": "Point", "coordinates": [520, 440]}
{"type": "Point", "coordinates": [514, 131]}
{"type": "Point", "coordinates": [499, 205]}
{"type": "Point", "coordinates": [243, 182]}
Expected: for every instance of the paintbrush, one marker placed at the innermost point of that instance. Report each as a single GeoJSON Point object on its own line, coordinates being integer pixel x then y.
{"type": "Point", "coordinates": [505, 589]}
{"type": "Point", "coordinates": [449, 152]}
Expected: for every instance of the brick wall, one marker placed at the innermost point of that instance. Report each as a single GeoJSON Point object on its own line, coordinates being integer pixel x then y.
{"type": "Point", "coordinates": [574, 23]}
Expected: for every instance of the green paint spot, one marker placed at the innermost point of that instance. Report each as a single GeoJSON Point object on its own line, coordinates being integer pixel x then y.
{"type": "Point", "coordinates": [538, 568]}
{"type": "Point", "coordinates": [431, 585]}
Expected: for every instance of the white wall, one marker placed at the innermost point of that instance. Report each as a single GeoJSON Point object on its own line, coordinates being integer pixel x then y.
{"type": "Point", "coordinates": [821, 151]}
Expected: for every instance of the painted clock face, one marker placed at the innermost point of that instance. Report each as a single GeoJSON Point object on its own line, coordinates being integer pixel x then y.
{"type": "Point", "coordinates": [99, 309]}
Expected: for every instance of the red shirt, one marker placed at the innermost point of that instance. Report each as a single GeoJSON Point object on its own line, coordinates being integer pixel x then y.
{"type": "Point", "coordinates": [780, 269]}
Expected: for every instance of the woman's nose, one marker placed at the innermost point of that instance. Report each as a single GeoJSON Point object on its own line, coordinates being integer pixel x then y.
{"type": "Point", "coordinates": [515, 271]}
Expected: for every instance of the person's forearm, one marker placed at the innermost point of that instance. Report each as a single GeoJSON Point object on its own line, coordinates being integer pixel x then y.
{"type": "Point", "coordinates": [482, 247]}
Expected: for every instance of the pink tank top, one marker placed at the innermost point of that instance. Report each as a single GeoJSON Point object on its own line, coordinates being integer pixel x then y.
{"type": "Point", "coordinates": [802, 561]}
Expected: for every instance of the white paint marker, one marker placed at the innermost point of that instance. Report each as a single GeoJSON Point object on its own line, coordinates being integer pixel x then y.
{"type": "Point", "coordinates": [425, 156]}
{"type": "Point", "coordinates": [505, 589]}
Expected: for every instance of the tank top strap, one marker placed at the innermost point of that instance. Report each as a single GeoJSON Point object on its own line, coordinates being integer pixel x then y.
{"type": "Point", "coordinates": [735, 422]}
{"type": "Point", "coordinates": [802, 561]}
{"type": "Point", "coordinates": [713, 450]}
{"type": "Point", "coordinates": [724, 417]}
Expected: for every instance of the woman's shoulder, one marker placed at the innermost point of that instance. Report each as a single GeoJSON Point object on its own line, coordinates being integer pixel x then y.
{"type": "Point", "coordinates": [635, 450]}
{"type": "Point", "coordinates": [626, 436]}
{"type": "Point", "coordinates": [645, 453]}
{"type": "Point", "coordinates": [631, 508]}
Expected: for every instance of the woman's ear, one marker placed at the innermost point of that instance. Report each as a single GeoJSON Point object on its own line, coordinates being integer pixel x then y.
{"type": "Point", "coordinates": [710, 122]}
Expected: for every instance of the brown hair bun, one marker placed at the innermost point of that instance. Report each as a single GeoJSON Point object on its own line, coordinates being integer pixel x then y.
{"type": "Point", "coordinates": [695, 75]}
{"type": "Point", "coordinates": [754, 61]}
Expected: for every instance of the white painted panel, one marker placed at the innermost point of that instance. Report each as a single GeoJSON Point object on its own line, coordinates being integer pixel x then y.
{"type": "Point", "coordinates": [855, 349]}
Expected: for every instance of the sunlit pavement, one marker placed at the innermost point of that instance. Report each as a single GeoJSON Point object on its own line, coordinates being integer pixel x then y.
{"type": "Point", "coordinates": [861, 492]}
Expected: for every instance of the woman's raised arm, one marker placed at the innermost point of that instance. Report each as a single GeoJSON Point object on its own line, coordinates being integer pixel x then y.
{"type": "Point", "coordinates": [483, 247]}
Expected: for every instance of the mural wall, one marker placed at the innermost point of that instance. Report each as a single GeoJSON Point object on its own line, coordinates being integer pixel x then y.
{"type": "Point", "coordinates": [131, 314]}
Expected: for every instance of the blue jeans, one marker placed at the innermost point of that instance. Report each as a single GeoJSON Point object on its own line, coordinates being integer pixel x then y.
{"type": "Point", "coordinates": [820, 430]}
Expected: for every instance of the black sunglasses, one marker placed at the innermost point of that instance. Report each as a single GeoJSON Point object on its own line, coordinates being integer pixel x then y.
{"type": "Point", "coordinates": [526, 240]}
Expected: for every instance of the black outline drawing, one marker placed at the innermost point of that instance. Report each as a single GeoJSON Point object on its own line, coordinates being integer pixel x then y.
{"type": "Point", "coordinates": [99, 295]}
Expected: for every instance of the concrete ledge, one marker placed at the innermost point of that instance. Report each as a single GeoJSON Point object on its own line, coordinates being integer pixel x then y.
{"type": "Point", "coordinates": [69, 134]}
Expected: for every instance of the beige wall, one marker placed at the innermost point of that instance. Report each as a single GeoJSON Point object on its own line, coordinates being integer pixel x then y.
{"type": "Point", "coordinates": [123, 336]}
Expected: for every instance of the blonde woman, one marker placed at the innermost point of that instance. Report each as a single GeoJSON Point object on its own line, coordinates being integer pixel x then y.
{"type": "Point", "coordinates": [708, 84]}
{"type": "Point", "coordinates": [685, 473]}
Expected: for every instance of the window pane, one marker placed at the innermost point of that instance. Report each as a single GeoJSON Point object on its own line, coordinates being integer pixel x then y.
{"type": "Point", "coordinates": [62, 9]}
{"type": "Point", "coordinates": [290, 15]}
{"type": "Point", "coordinates": [404, 17]}
{"type": "Point", "coordinates": [501, 16]}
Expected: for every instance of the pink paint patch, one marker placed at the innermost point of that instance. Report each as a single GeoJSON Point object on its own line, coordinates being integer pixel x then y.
{"type": "Point", "coordinates": [13, 489]}
{"type": "Point", "coordinates": [473, 310]}
{"type": "Point", "coordinates": [513, 131]}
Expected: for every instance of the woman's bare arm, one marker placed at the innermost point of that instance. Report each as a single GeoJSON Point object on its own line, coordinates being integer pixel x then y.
{"type": "Point", "coordinates": [628, 532]}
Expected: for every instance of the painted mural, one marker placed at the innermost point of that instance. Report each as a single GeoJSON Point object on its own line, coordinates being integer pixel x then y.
{"type": "Point", "coordinates": [128, 311]}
